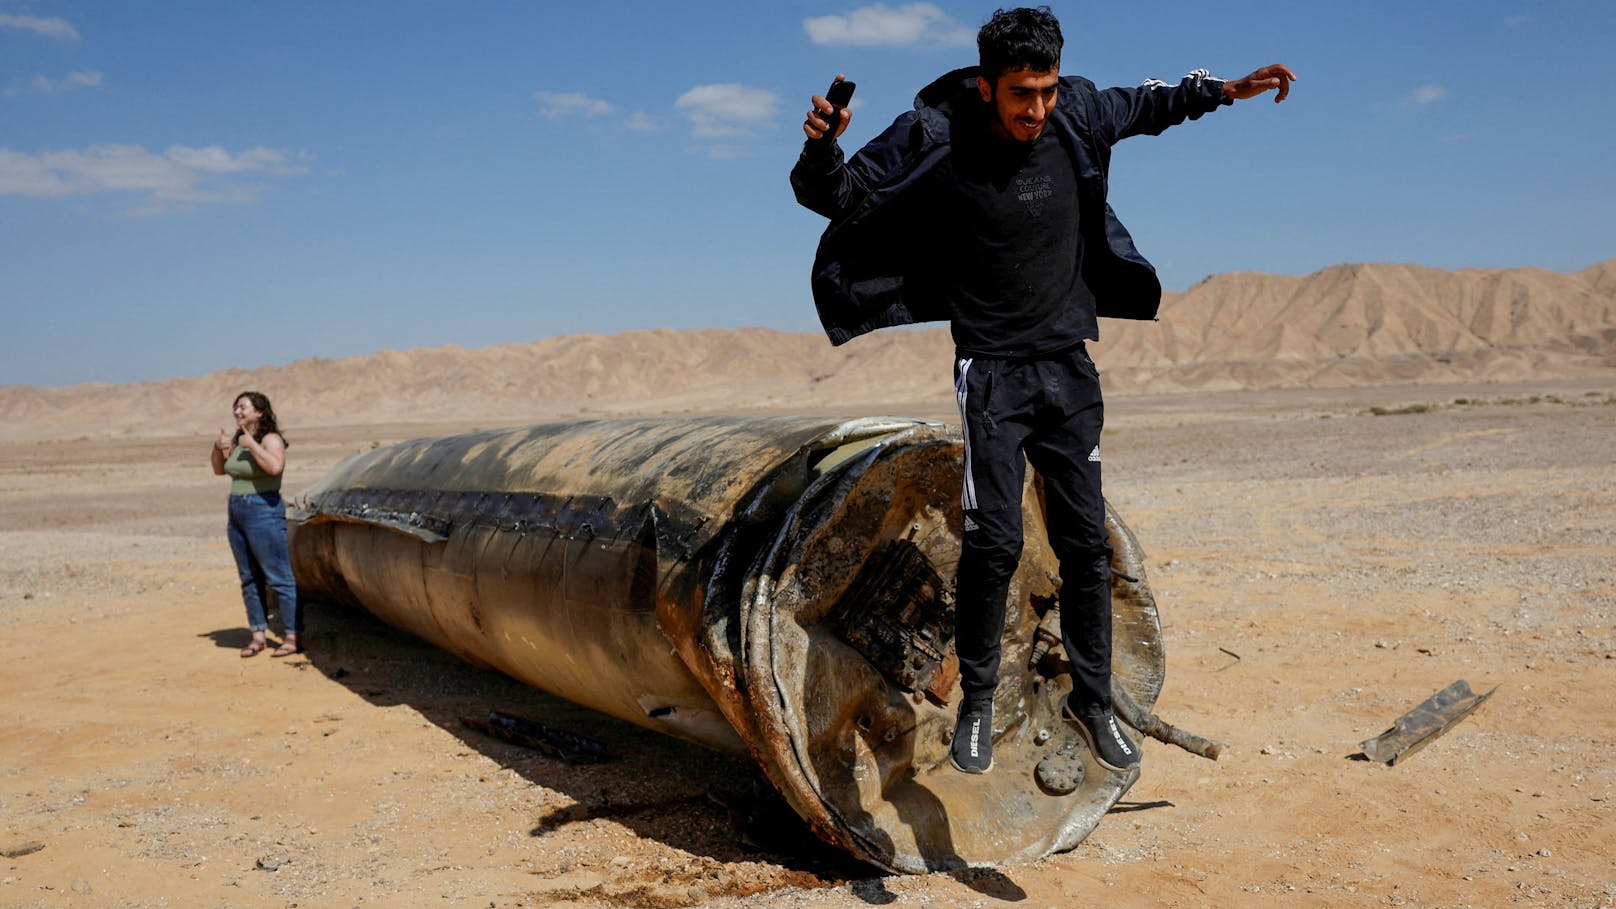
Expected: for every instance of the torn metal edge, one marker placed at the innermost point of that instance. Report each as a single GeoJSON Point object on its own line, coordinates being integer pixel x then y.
{"type": "Point", "coordinates": [1416, 728]}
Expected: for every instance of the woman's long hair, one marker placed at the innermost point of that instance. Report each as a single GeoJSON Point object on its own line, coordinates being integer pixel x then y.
{"type": "Point", "coordinates": [266, 416]}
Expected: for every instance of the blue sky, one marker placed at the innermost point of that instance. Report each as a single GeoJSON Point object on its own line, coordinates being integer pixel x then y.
{"type": "Point", "coordinates": [191, 186]}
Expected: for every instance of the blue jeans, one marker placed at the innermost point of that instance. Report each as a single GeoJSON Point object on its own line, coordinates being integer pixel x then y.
{"type": "Point", "coordinates": [257, 534]}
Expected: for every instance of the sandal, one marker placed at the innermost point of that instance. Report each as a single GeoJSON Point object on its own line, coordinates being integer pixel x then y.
{"type": "Point", "coordinates": [253, 649]}
{"type": "Point", "coordinates": [287, 649]}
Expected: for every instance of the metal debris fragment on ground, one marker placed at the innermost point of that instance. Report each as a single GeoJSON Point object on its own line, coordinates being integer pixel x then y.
{"type": "Point", "coordinates": [1416, 728]}
{"type": "Point", "coordinates": [557, 743]}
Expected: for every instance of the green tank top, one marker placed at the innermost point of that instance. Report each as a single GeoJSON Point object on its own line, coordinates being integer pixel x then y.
{"type": "Point", "coordinates": [245, 475]}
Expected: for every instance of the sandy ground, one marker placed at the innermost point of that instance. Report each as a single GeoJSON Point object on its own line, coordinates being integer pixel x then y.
{"type": "Point", "coordinates": [1323, 561]}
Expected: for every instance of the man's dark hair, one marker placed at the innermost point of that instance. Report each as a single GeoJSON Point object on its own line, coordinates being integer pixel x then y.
{"type": "Point", "coordinates": [1025, 38]}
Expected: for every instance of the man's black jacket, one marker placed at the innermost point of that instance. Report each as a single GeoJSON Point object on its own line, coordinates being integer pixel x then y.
{"type": "Point", "coordinates": [874, 267]}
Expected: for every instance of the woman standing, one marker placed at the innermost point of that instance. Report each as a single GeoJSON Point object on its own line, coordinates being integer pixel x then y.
{"type": "Point", "coordinates": [254, 457]}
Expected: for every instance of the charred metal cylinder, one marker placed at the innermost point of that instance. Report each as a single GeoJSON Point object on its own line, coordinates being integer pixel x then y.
{"type": "Point", "coordinates": [775, 586]}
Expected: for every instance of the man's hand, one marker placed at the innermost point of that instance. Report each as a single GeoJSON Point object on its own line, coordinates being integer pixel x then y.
{"type": "Point", "coordinates": [817, 122]}
{"type": "Point", "coordinates": [1274, 76]}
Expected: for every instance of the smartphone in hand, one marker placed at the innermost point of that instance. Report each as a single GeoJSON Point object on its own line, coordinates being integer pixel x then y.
{"type": "Point", "coordinates": [839, 94]}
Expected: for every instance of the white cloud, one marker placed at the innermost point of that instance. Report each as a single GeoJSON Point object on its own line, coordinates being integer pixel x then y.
{"type": "Point", "coordinates": [559, 105]}
{"type": "Point", "coordinates": [50, 28]}
{"type": "Point", "coordinates": [879, 24]}
{"type": "Point", "coordinates": [1428, 94]}
{"type": "Point", "coordinates": [180, 178]}
{"type": "Point", "coordinates": [214, 160]}
{"type": "Point", "coordinates": [566, 104]}
{"type": "Point", "coordinates": [727, 110]}
{"type": "Point", "coordinates": [87, 78]}
{"type": "Point", "coordinates": [643, 123]}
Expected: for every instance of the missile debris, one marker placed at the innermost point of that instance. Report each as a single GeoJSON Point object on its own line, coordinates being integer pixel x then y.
{"type": "Point", "coordinates": [779, 587]}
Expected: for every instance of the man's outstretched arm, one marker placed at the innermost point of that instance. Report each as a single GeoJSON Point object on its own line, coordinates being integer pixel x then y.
{"type": "Point", "coordinates": [1151, 108]}
{"type": "Point", "coordinates": [1275, 76]}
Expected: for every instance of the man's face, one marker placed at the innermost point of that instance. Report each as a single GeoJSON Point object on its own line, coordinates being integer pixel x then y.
{"type": "Point", "coordinates": [1022, 100]}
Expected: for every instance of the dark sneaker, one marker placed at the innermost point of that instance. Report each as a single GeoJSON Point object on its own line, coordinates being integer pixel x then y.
{"type": "Point", "coordinates": [972, 748]}
{"type": "Point", "coordinates": [1104, 736]}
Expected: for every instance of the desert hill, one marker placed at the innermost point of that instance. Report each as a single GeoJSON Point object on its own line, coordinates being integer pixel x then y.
{"type": "Point", "coordinates": [1348, 325]}
{"type": "Point", "coordinates": [1352, 325]}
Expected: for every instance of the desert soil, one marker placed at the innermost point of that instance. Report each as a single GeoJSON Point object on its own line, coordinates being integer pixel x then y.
{"type": "Point", "coordinates": [1323, 561]}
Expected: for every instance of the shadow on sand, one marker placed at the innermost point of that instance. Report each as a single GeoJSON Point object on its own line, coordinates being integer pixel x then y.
{"type": "Point", "coordinates": [702, 802]}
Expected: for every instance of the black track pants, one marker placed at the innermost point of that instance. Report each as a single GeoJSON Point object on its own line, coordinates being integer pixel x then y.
{"type": "Point", "coordinates": [1048, 410]}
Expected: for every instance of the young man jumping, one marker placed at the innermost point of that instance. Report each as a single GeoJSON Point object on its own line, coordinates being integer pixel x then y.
{"type": "Point", "coordinates": [985, 206]}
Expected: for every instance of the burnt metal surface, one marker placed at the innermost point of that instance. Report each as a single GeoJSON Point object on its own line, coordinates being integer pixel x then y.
{"type": "Point", "coordinates": [776, 586]}
{"type": "Point", "coordinates": [899, 615]}
{"type": "Point", "coordinates": [1429, 719]}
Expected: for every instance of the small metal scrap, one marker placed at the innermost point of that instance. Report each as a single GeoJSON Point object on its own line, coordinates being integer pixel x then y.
{"type": "Point", "coordinates": [557, 743]}
{"type": "Point", "coordinates": [1154, 726]}
{"type": "Point", "coordinates": [1416, 728]}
